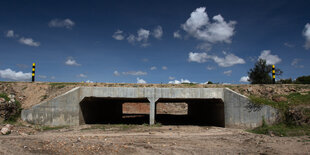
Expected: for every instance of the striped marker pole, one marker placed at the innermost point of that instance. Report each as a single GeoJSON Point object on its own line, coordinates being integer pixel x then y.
{"type": "Point", "coordinates": [33, 71]}
{"type": "Point", "coordinates": [273, 75]}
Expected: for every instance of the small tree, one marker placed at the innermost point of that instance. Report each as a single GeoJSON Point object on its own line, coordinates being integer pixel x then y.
{"type": "Point", "coordinates": [261, 73]}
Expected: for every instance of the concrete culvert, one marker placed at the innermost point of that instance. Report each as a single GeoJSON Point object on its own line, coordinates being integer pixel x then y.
{"type": "Point", "coordinates": [205, 106]}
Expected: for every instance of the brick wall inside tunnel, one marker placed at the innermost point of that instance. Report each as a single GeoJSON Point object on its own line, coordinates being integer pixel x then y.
{"type": "Point", "coordinates": [161, 108]}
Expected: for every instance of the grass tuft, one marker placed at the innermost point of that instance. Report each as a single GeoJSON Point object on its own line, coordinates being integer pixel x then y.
{"type": "Point", "coordinates": [47, 128]}
{"type": "Point", "coordinates": [5, 96]}
{"type": "Point", "coordinates": [283, 129]}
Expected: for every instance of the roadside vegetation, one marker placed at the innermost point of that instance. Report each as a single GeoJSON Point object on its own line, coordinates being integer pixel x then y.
{"type": "Point", "coordinates": [294, 112]}
{"type": "Point", "coordinates": [10, 109]}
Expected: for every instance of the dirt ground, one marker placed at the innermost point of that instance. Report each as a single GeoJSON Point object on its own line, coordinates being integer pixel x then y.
{"type": "Point", "coordinates": [141, 139]}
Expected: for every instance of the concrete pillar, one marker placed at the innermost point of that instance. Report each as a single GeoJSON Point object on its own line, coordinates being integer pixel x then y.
{"type": "Point", "coordinates": [152, 109]}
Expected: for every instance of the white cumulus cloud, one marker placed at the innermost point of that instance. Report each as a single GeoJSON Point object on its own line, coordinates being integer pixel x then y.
{"type": "Point", "coordinates": [13, 75]}
{"type": "Point", "coordinates": [200, 27]}
{"type": "Point", "coordinates": [153, 68]}
{"type": "Point", "coordinates": [142, 37]}
{"type": "Point", "coordinates": [197, 57]}
{"type": "Point", "coordinates": [306, 34]}
{"type": "Point", "coordinates": [118, 35]}
{"type": "Point", "coordinates": [82, 75]}
{"type": "Point", "coordinates": [227, 61]}
{"type": "Point", "coordinates": [179, 82]}
{"type": "Point", "coordinates": [29, 42]}
{"type": "Point", "coordinates": [10, 34]}
{"type": "Point", "coordinates": [164, 67]}
{"type": "Point", "coordinates": [210, 68]}
{"type": "Point", "coordinates": [244, 79]}
{"type": "Point", "coordinates": [140, 80]}
{"type": "Point", "coordinates": [67, 23]}
{"type": "Point", "coordinates": [71, 62]}
{"type": "Point", "coordinates": [228, 73]}
{"type": "Point", "coordinates": [158, 32]}
{"type": "Point", "coordinates": [135, 73]}
{"type": "Point", "coordinates": [116, 73]}
{"type": "Point", "coordinates": [177, 35]}
{"type": "Point", "coordinates": [270, 59]}
{"type": "Point", "coordinates": [171, 78]}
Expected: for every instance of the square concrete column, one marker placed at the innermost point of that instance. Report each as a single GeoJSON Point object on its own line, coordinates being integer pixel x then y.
{"type": "Point", "coordinates": [152, 109]}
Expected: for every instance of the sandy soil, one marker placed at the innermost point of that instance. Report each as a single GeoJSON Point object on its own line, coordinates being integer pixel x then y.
{"type": "Point", "coordinates": [118, 139]}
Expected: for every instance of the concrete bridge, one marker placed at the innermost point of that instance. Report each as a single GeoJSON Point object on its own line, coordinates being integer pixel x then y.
{"type": "Point", "coordinates": [220, 106]}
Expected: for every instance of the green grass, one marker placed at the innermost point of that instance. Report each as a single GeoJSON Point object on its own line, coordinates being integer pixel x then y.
{"type": "Point", "coordinates": [189, 84]}
{"type": "Point", "coordinates": [119, 127]}
{"type": "Point", "coordinates": [5, 96]}
{"type": "Point", "coordinates": [283, 129]}
{"type": "Point", "coordinates": [293, 99]}
{"type": "Point", "coordinates": [60, 85]}
{"type": "Point", "coordinates": [48, 128]}
{"type": "Point", "coordinates": [13, 119]}
{"type": "Point", "coordinates": [43, 97]}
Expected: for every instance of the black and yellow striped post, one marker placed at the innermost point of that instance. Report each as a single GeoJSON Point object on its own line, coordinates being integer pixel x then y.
{"type": "Point", "coordinates": [33, 71]}
{"type": "Point", "coordinates": [273, 75]}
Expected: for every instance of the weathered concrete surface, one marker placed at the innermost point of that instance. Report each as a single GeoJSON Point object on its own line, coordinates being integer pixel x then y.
{"type": "Point", "coordinates": [65, 109]}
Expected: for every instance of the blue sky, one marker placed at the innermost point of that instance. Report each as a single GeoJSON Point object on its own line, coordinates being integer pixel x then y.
{"type": "Point", "coordinates": [151, 41]}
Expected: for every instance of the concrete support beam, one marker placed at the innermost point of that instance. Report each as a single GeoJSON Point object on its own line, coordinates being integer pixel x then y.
{"type": "Point", "coordinates": [152, 109]}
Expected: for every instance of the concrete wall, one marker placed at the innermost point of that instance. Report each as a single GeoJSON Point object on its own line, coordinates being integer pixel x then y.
{"type": "Point", "coordinates": [66, 110]}
{"type": "Point", "coordinates": [240, 112]}
{"type": "Point", "coordinates": [62, 110]}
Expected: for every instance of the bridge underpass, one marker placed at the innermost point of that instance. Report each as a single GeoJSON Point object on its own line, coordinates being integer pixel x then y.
{"type": "Point", "coordinates": [206, 106]}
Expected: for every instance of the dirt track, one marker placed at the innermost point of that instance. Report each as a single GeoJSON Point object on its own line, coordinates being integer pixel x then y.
{"type": "Point", "coordinates": [120, 139]}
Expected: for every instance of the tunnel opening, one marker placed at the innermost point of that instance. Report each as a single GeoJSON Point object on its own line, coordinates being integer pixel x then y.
{"type": "Point", "coordinates": [203, 112]}
{"type": "Point", "coordinates": [99, 110]}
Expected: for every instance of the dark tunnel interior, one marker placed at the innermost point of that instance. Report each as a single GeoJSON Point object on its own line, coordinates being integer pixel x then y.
{"type": "Point", "coordinates": [95, 110]}
{"type": "Point", "coordinates": [204, 112]}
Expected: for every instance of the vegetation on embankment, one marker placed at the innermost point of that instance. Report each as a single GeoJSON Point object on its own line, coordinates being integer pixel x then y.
{"type": "Point", "coordinates": [294, 115]}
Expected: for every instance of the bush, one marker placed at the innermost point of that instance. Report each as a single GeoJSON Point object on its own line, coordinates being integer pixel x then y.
{"type": "Point", "coordinates": [285, 81]}
{"type": "Point", "coordinates": [303, 80]}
